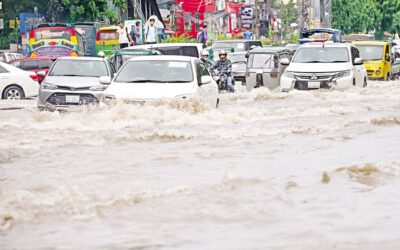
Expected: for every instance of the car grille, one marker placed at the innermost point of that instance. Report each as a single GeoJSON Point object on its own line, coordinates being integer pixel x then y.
{"type": "Point", "coordinates": [302, 80]}
{"type": "Point", "coordinates": [301, 85]}
{"type": "Point", "coordinates": [59, 99]}
{"type": "Point", "coordinates": [370, 72]}
{"type": "Point", "coordinates": [72, 88]}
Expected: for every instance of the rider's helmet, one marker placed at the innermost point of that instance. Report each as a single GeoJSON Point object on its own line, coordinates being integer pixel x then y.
{"type": "Point", "coordinates": [222, 55]}
{"type": "Point", "coordinates": [204, 55]}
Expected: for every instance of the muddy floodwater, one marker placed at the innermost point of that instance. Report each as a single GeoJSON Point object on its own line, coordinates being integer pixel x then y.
{"type": "Point", "coordinates": [299, 170]}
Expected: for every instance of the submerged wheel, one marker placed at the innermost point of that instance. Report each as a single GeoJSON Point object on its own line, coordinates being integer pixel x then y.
{"type": "Point", "coordinates": [13, 93]}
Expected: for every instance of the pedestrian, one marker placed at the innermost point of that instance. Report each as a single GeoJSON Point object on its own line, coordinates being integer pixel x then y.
{"type": "Point", "coordinates": [135, 34]}
{"type": "Point", "coordinates": [123, 36]}
{"type": "Point", "coordinates": [202, 37]}
{"type": "Point", "coordinates": [248, 35]}
{"type": "Point", "coordinates": [150, 33]}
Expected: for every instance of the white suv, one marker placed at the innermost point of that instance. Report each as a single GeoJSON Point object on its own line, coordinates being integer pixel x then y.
{"type": "Point", "coordinates": [324, 65]}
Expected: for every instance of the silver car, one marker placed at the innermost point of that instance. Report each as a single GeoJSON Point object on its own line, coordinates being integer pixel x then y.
{"type": "Point", "coordinates": [74, 81]}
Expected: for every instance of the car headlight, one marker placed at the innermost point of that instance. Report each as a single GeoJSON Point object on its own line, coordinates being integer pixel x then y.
{"type": "Point", "coordinates": [50, 86]}
{"type": "Point", "coordinates": [378, 72]}
{"type": "Point", "coordinates": [288, 74]}
{"type": "Point", "coordinates": [98, 88]}
{"type": "Point", "coordinates": [108, 98]}
{"type": "Point", "coordinates": [342, 73]}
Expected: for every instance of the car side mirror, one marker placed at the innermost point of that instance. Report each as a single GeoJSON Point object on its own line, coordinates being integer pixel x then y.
{"type": "Point", "coordinates": [284, 61]}
{"type": "Point", "coordinates": [206, 80]}
{"type": "Point", "coordinates": [358, 61]}
{"type": "Point", "coordinates": [41, 73]}
{"type": "Point", "coordinates": [105, 80]}
{"type": "Point", "coordinates": [247, 55]}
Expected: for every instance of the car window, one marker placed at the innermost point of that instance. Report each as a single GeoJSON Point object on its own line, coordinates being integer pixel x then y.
{"type": "Point", "coordinates": [261, 61]}
{"type": "Point", "coordinates": [17, 64]}
{"type": "Point", "coordinates": [3, 70]}
{"type": "Point", "coordinates": [190, 51]}
{"type": "Point", "coordinates": [46, 64]}
{"type": "Point", "coordinates": [85, 68]}
{"type": "Point", "coordinates": [30, 65]}
{"type": "Point", "coordinates": [387, 51]}
{"type": "Point", "coordinates": [370, 52]}
{"type": "Point", "coordinates": [12, 57]}
{"type": "Point", "coordinates": [322, 55]}
{"type": "Point", "coordinates": [159, 71]}
{"type": "Point", "coordinates": [201, 70]}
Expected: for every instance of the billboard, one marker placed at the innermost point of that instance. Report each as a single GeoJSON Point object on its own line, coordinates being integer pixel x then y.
{"type": "Point", "coordinates": [246, 17]}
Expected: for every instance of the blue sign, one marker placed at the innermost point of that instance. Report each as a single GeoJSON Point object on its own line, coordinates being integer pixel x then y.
{"type": "Point", "coordinates": [29, 21]}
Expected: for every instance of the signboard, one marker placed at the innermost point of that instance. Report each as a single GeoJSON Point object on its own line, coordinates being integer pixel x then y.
{"type": "Point", "coordinates": [130, 23]}
{"type": "Point", "coordinates": [246, 17]}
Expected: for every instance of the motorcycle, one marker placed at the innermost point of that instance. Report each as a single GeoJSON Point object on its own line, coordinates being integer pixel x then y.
{"type": "Point", "coordinates": [222, 80]}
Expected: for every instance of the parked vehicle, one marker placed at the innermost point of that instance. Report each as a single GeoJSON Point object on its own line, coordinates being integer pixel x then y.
{"type": "Point", "coordinates": [9, 56]}
{"type": "Point", "coordinates": [239, 61]}
{"type": "Point", "coordinates": [144, 79]}
{"type": "Point", "coordinates": [233, 46]}
{"type": "Point", "coordinates": [123, 55]}
{"type": "Point", "coordinates": [175, 49]}
{"type": "Point", "coordinates": [107, 40]}
{"type": "Point", "coordinates": [263, 68]}
{"type": "Point", "coordinates": [324, 65]}
{"type": "Point", "coordinates": [55, 40]}
{"type": "Point", "coordinates": [320, 35]}
{"type": "Point", "coordinates": [16, 83]}
{"type": "Point", "coordinates": [73, 81]}
{"type": "Point", "coordinates": [34, 64]}
{"type": "Point", "coordinates": [377, 59]}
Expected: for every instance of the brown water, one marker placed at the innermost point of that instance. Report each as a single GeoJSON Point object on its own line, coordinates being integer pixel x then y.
{"type": "Point", "coordinates": [304, 170]}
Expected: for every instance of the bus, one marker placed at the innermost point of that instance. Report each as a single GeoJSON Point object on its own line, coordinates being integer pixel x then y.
{"type": "Point", "coordinates": [55, 40]}
{"type": "Point", "coordinates": [88, 30]}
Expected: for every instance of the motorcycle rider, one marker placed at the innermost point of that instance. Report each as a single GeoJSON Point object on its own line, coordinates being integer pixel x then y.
{"type": "Point", "coordinates": [224, 66]}
{"type": "Point", "coordinates": [205, 60]}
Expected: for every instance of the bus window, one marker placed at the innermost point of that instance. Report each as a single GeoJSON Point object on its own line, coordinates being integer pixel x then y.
{"type": "Point", "coordinates": [52, 34]}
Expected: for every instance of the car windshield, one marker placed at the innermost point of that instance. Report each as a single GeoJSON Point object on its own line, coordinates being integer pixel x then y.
{"type": "Point", "coordinates": [236, 58]}
{"type": "Point", "coordinates": [108, 35]}
{"type": "Point", "coordinates": [160, 71]}
{"type": "Point", "coordinates": [258, 61]}
{"type": "Point", "coordinates": [371, 52]}
{"type": "Point", "coordinates": [237, 46]}
{"type": "Point", "coordinates": [321, 55]}
{"type": "Point", "coordinates": [86, 68]}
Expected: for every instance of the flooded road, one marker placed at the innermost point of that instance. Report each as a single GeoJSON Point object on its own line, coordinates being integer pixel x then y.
{"type": "Point", "coordinates": [303, 170]}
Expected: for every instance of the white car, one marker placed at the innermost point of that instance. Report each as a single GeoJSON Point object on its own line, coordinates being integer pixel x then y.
{"type": "Point", "coordinates": [324, 65]}
{"type": "Point", "coordinates": [143, 79]}
{"type": "Point", "coordinates": [16, 83]}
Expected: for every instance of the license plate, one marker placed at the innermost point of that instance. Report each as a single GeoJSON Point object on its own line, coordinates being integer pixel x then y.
{"type": "Point", "coordinates": [314, 85]}
{"type": "Point", "coordinates": [72, 98]}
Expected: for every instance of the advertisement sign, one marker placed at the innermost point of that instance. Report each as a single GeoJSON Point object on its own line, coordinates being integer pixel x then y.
{"type": "Point", "coordinates": [130, 23]}
{"type": "Point", "coordinates": [246, 17]}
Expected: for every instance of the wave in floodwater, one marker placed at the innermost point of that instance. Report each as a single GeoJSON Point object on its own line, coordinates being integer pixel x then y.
{"type": "Point", "coordinates": [258, 113]}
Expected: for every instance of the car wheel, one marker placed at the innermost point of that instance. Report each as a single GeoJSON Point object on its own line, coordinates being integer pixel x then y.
{"type": "Point", "coordinates": [387, 78]}
{"type": "Point", "coordinates": [13, 93]}
{"type": "Point", "coordinates": [365, 82]}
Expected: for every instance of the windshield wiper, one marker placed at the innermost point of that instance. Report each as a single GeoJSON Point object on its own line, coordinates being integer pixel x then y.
{"type": "Point", "coordinates": [338, 62]}
{"type": "Point", "coordinates": [266, 62]}
{"type": "Point", "coordinates": [71, 75]}
{"type": "Point", "coordinates": [316, 61]}
{"type": "Point", "coordinates": [239, 62]}
{"type": "Point", "coordinates": [144, 81]}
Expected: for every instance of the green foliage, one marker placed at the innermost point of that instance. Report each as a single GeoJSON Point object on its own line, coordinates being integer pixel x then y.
{"type": "Point", "coordinates": [180, 39]}
{"type": "Point", "coordinates": [289, 14]}
{"type": "Point", "coordinates": [357, 16]}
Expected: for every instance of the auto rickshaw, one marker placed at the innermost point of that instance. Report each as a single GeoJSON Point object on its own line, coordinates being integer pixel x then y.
{"type": "Point", "coordinates": [107, 40]}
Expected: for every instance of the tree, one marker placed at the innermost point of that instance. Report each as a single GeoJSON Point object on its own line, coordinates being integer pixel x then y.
{"type": "Point", "coordinates": [82, 10]}
{"type": "Point", "coordinates": [355, 16]}
{"type": "Point", "coordinates": [289, 14]}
